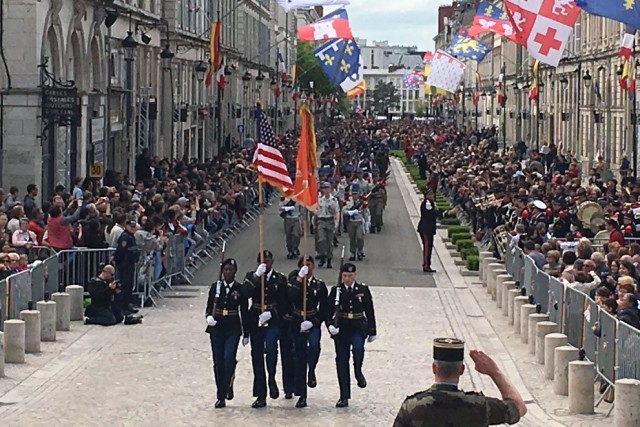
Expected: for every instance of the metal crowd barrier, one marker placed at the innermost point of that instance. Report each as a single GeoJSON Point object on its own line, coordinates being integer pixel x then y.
{"type": "Point", "coordinates": [181, 257]}
{"type": "Point", "coordinates": [615, 352]}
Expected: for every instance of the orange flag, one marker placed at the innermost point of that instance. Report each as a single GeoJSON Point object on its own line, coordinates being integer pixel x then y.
{"type": "Point", "coordinates": [214, 54]}
{"type": "Point", "coordinates": [305, 188]}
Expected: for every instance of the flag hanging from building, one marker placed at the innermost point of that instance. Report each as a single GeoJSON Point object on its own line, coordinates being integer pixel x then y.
{"type": "Point", "coordinates": [214, 53]}
{"type": "Point", "coordinates": [446, 71]}
{"type": "Point", "coordinates": [543, 26]}
{"type": "Point", "coordinates": [359, 89]}
{"type": "Point", "coordinates": [267, 158]}
{"type": "Point", "coordinates": [333, 26]}
{"type": "Point", "coordinates": [341, 62]}
{"type": "Point", "coordinates": [282, 68]}
{"type": "Point", "coordinates": [491, 18]}
{"type": "Point", "coordinates": [467, 47]}
{"type": "Point", "coordinates": [305, 189]}
{"type": "Point", "coordinates": [626, 11]}
{"type": "Point", "coordinates": [412, 80]}
{"type": "Point", "coordinates": [596, 90]}
{"type": "Point", "coordinates": [288, 5]}
{"type": "Point", "coordinates": [428, 56]}
{"type": "Point", "coordinates": [626, 45]}
{"type": "Point", "coordinates": [502, 95]}
{"type": "Point", "coordinates": [632, 84]}
{"type": "Point", "coordinates": [623, 82]}
{"type": "Point", "coordinates": [220, 76]}
{"type": "Point", "coordinates": [533, 90]}
{"type": "Point", "coordinates": [427, 87]}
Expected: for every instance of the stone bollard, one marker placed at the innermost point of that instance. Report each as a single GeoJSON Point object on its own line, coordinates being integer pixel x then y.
{"type": "Point", "coordinates": [512, 294]}
{"type": "Point", "coordinates": [525, 311]}
{"type": "Point", "coordinates": [534, 319]}
{"type": "Point", "coordinates": [482, 255]}
{"type": "Point", "coordinates": [1, 354]}
{"type": "Point", "coordinates": [625, 413]}
{"type": "Point", "coordinates": [551, 342]}
{"type": "Point", "coordinates": [76, 297]}
{"type": "Point", "coordinates": [543, 329]}
{"type": "Point", "coordinates": [47, 311]}
{"type": "Point", "coordinates": [500, 281]}
{"type": "Point", "coordinates": [504, 295]}
{"type": "Point", "coordinates": [32, 329]}
{"type": "Point", "coordinates": [495, 270]}
{"type": "Point", "coordinates": [14, 341]}
{"type": "Point", "coordinates": [562, 356]}
{"type": "Point", "coordinates": [485, 268]}
{"type": "Point", "coordinates": [518, 302]}
{"type": "Point", "coordinates": [63, 307]}
{"type": "Point", "coordinates": [581, 394]}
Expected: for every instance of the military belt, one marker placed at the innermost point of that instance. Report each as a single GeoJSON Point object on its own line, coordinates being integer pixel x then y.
{"type": "Point", "coordinates": [225, 313]}
{"type": "Point", "coordinates": [260, 307]}
{"type": "Point", "coordinates": [352, 315]}
{"type": "Point", "coordinates": [325, 218]}
{"type": "Point", "coordinates": [308, 313]}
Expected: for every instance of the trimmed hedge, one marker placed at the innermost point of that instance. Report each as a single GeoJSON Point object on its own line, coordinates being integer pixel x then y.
{"type": "Point", "coordinates": [473, 263]}
{"type": "Point", "coordinates": [398, 153]}
{"type": "Point", "coordinates": [450, 221]}
{"type": "Point", "coordinates": [453, 229]}
{"type": "Point", "coordinates": [459, 236]}
{"type": "Point", "coordinates": [464, 244]}
{"type": "Point", "coordinates": [471, 251]}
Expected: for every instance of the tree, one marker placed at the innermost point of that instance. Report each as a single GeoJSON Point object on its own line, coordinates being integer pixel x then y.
{"type": "Point", "coordinates": [385, 96]}
{"type": "Point", "coordinates": [420, 108]}
{"type": "Point", "coordinates": [309, 70]}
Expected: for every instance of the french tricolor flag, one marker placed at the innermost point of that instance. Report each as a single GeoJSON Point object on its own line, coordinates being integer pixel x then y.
{"type": "Point", "coordinates": [333, 26]}
{"type": "Point", "coordinates": [626, 46]}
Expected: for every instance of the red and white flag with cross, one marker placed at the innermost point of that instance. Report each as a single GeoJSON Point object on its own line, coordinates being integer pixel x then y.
{"type": "Point", "coordinates": [543, 26]}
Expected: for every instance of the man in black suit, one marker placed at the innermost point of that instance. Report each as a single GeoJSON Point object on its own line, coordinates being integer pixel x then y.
{"type": "Point", "coordinates": [429, 213]}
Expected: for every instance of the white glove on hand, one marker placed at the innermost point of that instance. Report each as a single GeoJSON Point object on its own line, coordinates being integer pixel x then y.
{"type": "Point", "coordinates": [289, 208]}
{"type": "Point", "coordinates": [211, 321]}
{"type": "Point", "coordinates": [333, 330]}
{"type": "Point", "coordinates": [303, 272]}
{"type": "Point", "coordinates": [265, 317]}
{"type": "Point", "coordinates": [245, 341]}
{"type": "Point", "coordinates": [262, 268]}
{"type": "Point", "coordinates": [352, 212]}
{"type": "Point", "coordinates": [371, 338]}
{"type": "Point", "coordinates": [306, 325]}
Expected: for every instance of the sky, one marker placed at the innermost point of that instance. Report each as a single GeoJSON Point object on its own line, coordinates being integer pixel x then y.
{"type": "Point", "coordinates": [406, 22]}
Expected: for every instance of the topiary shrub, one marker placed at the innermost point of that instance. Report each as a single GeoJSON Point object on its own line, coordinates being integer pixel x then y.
{"type": "Point", "coordinates": [454, 229]}
{"type": "Point", "coordinates": [459, 236]}
{"type": "Point", "coordinates": [450, 221]}
{"type": "Point", "coordinates": [473, 263]}
{"type": "Point", "coordinates": [470, 251]}
{"type": "Point", "coordinates": [464, 244]}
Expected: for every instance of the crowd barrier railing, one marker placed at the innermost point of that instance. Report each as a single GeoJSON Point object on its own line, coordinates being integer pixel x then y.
{"type": "Point", "coordinates": [178, 261]}
{"type": "Point", "coordinates": [613, 346]}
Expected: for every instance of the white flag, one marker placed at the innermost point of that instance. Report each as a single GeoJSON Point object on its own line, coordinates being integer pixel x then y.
{"type": "Point", "coordinates": [446, 71]}
{"type": "Point", "coordinates": [288, 5]}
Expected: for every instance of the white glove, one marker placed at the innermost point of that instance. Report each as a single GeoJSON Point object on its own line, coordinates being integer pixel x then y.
{"type": "Point", "coordinates": [371, 338]}
{"type": "Point", "coordinates": [245, 341]}
{"type": "Point", "coordinates": [352, 212]}
{"type": "Point", "coordinates": [333, 330]}
{"type": "Point", "coordinates": [265, 317]}
{"type": "Point", "coordinates": [289, 208]}
{"type": "Point", "coordinates": [303, 272]}
{"type": "Point", "coordinates": [211, 321]}
{"type": "Point", "coordinates": [262, 268]}
{"type": "Point", "coordinates": [306, 325]}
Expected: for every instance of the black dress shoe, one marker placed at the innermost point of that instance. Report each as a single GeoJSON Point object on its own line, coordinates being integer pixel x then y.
{"type": "Point", "coordinates": [321, 263]}
{"type": "Point", "coordinates": [259, 403]}
{"type": "Point", "coordinates": [312, 383]}
{"type": "Point", "coordinates": [429, 270]}
{"type": "Point", "coordinates": [329, 264]}
{"type": "Point", "coordinates": [131, 309]}
{"type": "Point", "coordinates": [273, 389]}
{"type": "Point", "coordinates": [288, 396]}
{"type": "Point", "coordinates": [362, 382]}
{"type": "Point", "coordinates": [352, 258]}
{"type": "Point", "coordinates": [342, 403]}
{"type": "Point", "coordinates": [302, 402]}
{"type": "Point", "coordinates": [230, 393]}
{"type": "Point", "coordinates": [220, 403]}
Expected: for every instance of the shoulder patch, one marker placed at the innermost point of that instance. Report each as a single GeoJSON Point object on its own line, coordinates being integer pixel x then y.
{"type": "Point", "coordinates": [124, 243]}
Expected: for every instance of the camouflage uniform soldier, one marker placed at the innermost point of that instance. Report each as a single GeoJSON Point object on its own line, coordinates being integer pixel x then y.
{"type": "Point", "coordinates": [444, 404]}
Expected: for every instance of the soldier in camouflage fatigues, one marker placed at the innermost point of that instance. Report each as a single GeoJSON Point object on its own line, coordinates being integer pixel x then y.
{"type": "Point", "coordinates": [445, 405]}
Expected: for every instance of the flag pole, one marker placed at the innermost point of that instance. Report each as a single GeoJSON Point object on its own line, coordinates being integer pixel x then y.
{"type": "Point", "coordinates": [261, 242]}
{"type": "Point", "coordinates": [304, 262]}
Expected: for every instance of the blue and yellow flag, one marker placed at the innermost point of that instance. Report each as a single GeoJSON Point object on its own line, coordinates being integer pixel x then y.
{"type": "Point", "coordinates": [625, 11]}
{"type": "Point", "coordinates": [339, 59]}
{"type": "Point", "coordinates": [467, 47]}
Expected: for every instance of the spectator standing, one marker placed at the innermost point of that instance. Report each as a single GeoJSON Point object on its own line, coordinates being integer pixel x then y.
{"type": "Point", "coordinates": [29, 201]}
{"type": "Point", "coordinates": [78, 192]}
{"type": "Point", "coordinates": [11, 199]}
{"type": "Point", "coordinates": [126, 256]}
{"type": "Point", "coordinates": [17, 213]}
{"type": "Point", "coordinates": [58, 235]}
{"type": "Point", "coordinates": [36, 224]}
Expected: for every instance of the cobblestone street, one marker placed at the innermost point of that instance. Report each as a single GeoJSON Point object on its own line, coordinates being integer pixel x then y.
{"type": "Point", "coordinates": [159, 373]}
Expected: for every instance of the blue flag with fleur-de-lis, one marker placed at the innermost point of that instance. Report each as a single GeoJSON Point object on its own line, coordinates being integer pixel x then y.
{"type": "Point", "coordinates": [339, 59]}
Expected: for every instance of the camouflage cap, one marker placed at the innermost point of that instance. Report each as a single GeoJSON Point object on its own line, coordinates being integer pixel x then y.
{"type": "Point", "coordinates": [448, 349]}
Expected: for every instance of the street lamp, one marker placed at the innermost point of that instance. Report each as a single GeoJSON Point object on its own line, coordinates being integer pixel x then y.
{"type": "Point", "coordinates": [246, 79]}
{"type": "Point", "coordinates": [586, 79]}
{"type": "Point", "coordinates": [166, 56]}
{"type": "Point", "coordinates": [129, 44]}
{"type": "Point", "coordinates": [564, 82]}
{"type": "Point", "coordinates": [200, 69]}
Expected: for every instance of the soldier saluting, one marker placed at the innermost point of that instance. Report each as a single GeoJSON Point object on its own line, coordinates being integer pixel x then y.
{"type": "Point", "coordinates": [352, 321]}
{"type": "Point", "coordinates": [444, 404]}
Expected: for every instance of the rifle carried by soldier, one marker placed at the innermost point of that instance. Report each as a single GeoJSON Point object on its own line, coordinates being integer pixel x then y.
{"type": "Point", "coordinates": [218, 283]}
{"type": "Point", "coordinates": [336, 313]}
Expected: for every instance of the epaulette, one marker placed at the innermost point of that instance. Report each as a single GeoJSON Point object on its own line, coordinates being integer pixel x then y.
{"type": "Point", "coordinates": [416, 394]}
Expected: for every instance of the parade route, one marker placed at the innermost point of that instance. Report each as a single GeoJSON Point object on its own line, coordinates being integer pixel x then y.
{"type": "Point", "coordinates": [159, 373]}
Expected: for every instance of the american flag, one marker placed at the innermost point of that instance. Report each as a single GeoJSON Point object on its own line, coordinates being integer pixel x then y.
{"type": "Point", "coordinates": [271, 166]}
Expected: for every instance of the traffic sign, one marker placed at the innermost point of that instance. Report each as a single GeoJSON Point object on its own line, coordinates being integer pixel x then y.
{"type": "Point", "coordinates": [240, 128]}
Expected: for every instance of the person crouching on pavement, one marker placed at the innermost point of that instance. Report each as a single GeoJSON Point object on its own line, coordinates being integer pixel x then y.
{"type": "Point", "coordinates": [105, 294]}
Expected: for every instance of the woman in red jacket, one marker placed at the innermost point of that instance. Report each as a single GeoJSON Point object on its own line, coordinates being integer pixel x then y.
{"type": "Point", "coordinates": [36, 223]}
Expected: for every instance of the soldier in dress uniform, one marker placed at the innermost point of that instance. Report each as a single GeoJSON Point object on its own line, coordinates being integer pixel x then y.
{"type": "Point", "coordinates": [377, 203]}
{"type": "Point", "coordinates": [363, 184]}
{"type": "Point", "coordinates": [427, 228]}
{"type": "Point", "coordinates": [354, 210]}
{"type": "Point", "coordinates": [309, 315]}
{"type": "Point", "coordinates": [444, 404]}
{"type": "Point", "coordinates": [327, 221]}
{"type": "Point", "coordinates": [292, 215]}
{"type": "Point", "coordinates": [351, 323]}
{"type": "Point", "coordinates": [226, 309]}
{"type": "Point", "coordinates": [266, 323]}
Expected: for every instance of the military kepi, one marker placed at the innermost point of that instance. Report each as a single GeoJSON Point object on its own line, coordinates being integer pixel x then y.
{"type": "Point", "coordinates": [448, 349]}
{"type": "Point", "coordinates": [348, 268]}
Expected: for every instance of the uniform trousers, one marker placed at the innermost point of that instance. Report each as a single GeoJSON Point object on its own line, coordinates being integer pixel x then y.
{"type": "Point", "coordinates": [292, 232]}
{"type": "Point", "coordinates": [264, 341]}
{"type": "Point", "coordinates": [224, 346]}
{"type": "Point", "coordinates": [427, 249]}
{"type": "Point", "coordinates": [287, 340]}
{"type": "Point", "coordinates": [325, 232]}
{"type": "Point", "coordinates": [307, 356]}
{"type": "Point", "coordinates": [126, 275]}
{"type": "Point", "coordinates": [356, 235]}
{"type": "Point", "coordinates": [348, 339]}
{"type": "Point", "coordinates": [376, 207]}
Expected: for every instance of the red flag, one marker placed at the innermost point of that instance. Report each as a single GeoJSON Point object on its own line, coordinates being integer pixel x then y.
{"type": "Point", "coordinates": [220, 77]}
{"type": "Point", "coordinates": [214, 52]}
{"type": "Point", "coordinates": [268, 159]}
{"type": "Point", "coordinates": [626, 46]}
{"type": "Point", "coordinates": [333, 26]}
{"type": "Point", "coordinates": [306, 188]}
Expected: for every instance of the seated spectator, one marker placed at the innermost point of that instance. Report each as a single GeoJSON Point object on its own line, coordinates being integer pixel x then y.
{"type": "Point", "coordinates": [625, 286]}
{"type": "Point", "coordinates": [628, 310]}
{"type": "Point", "coordinates": [530, 250]}
{"type": "Point", "coordinates": [17, 213]}
{"type": "Point", "coordinates": [553, 267]}
{"type": "Point", "coordinates": [24, 239]}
